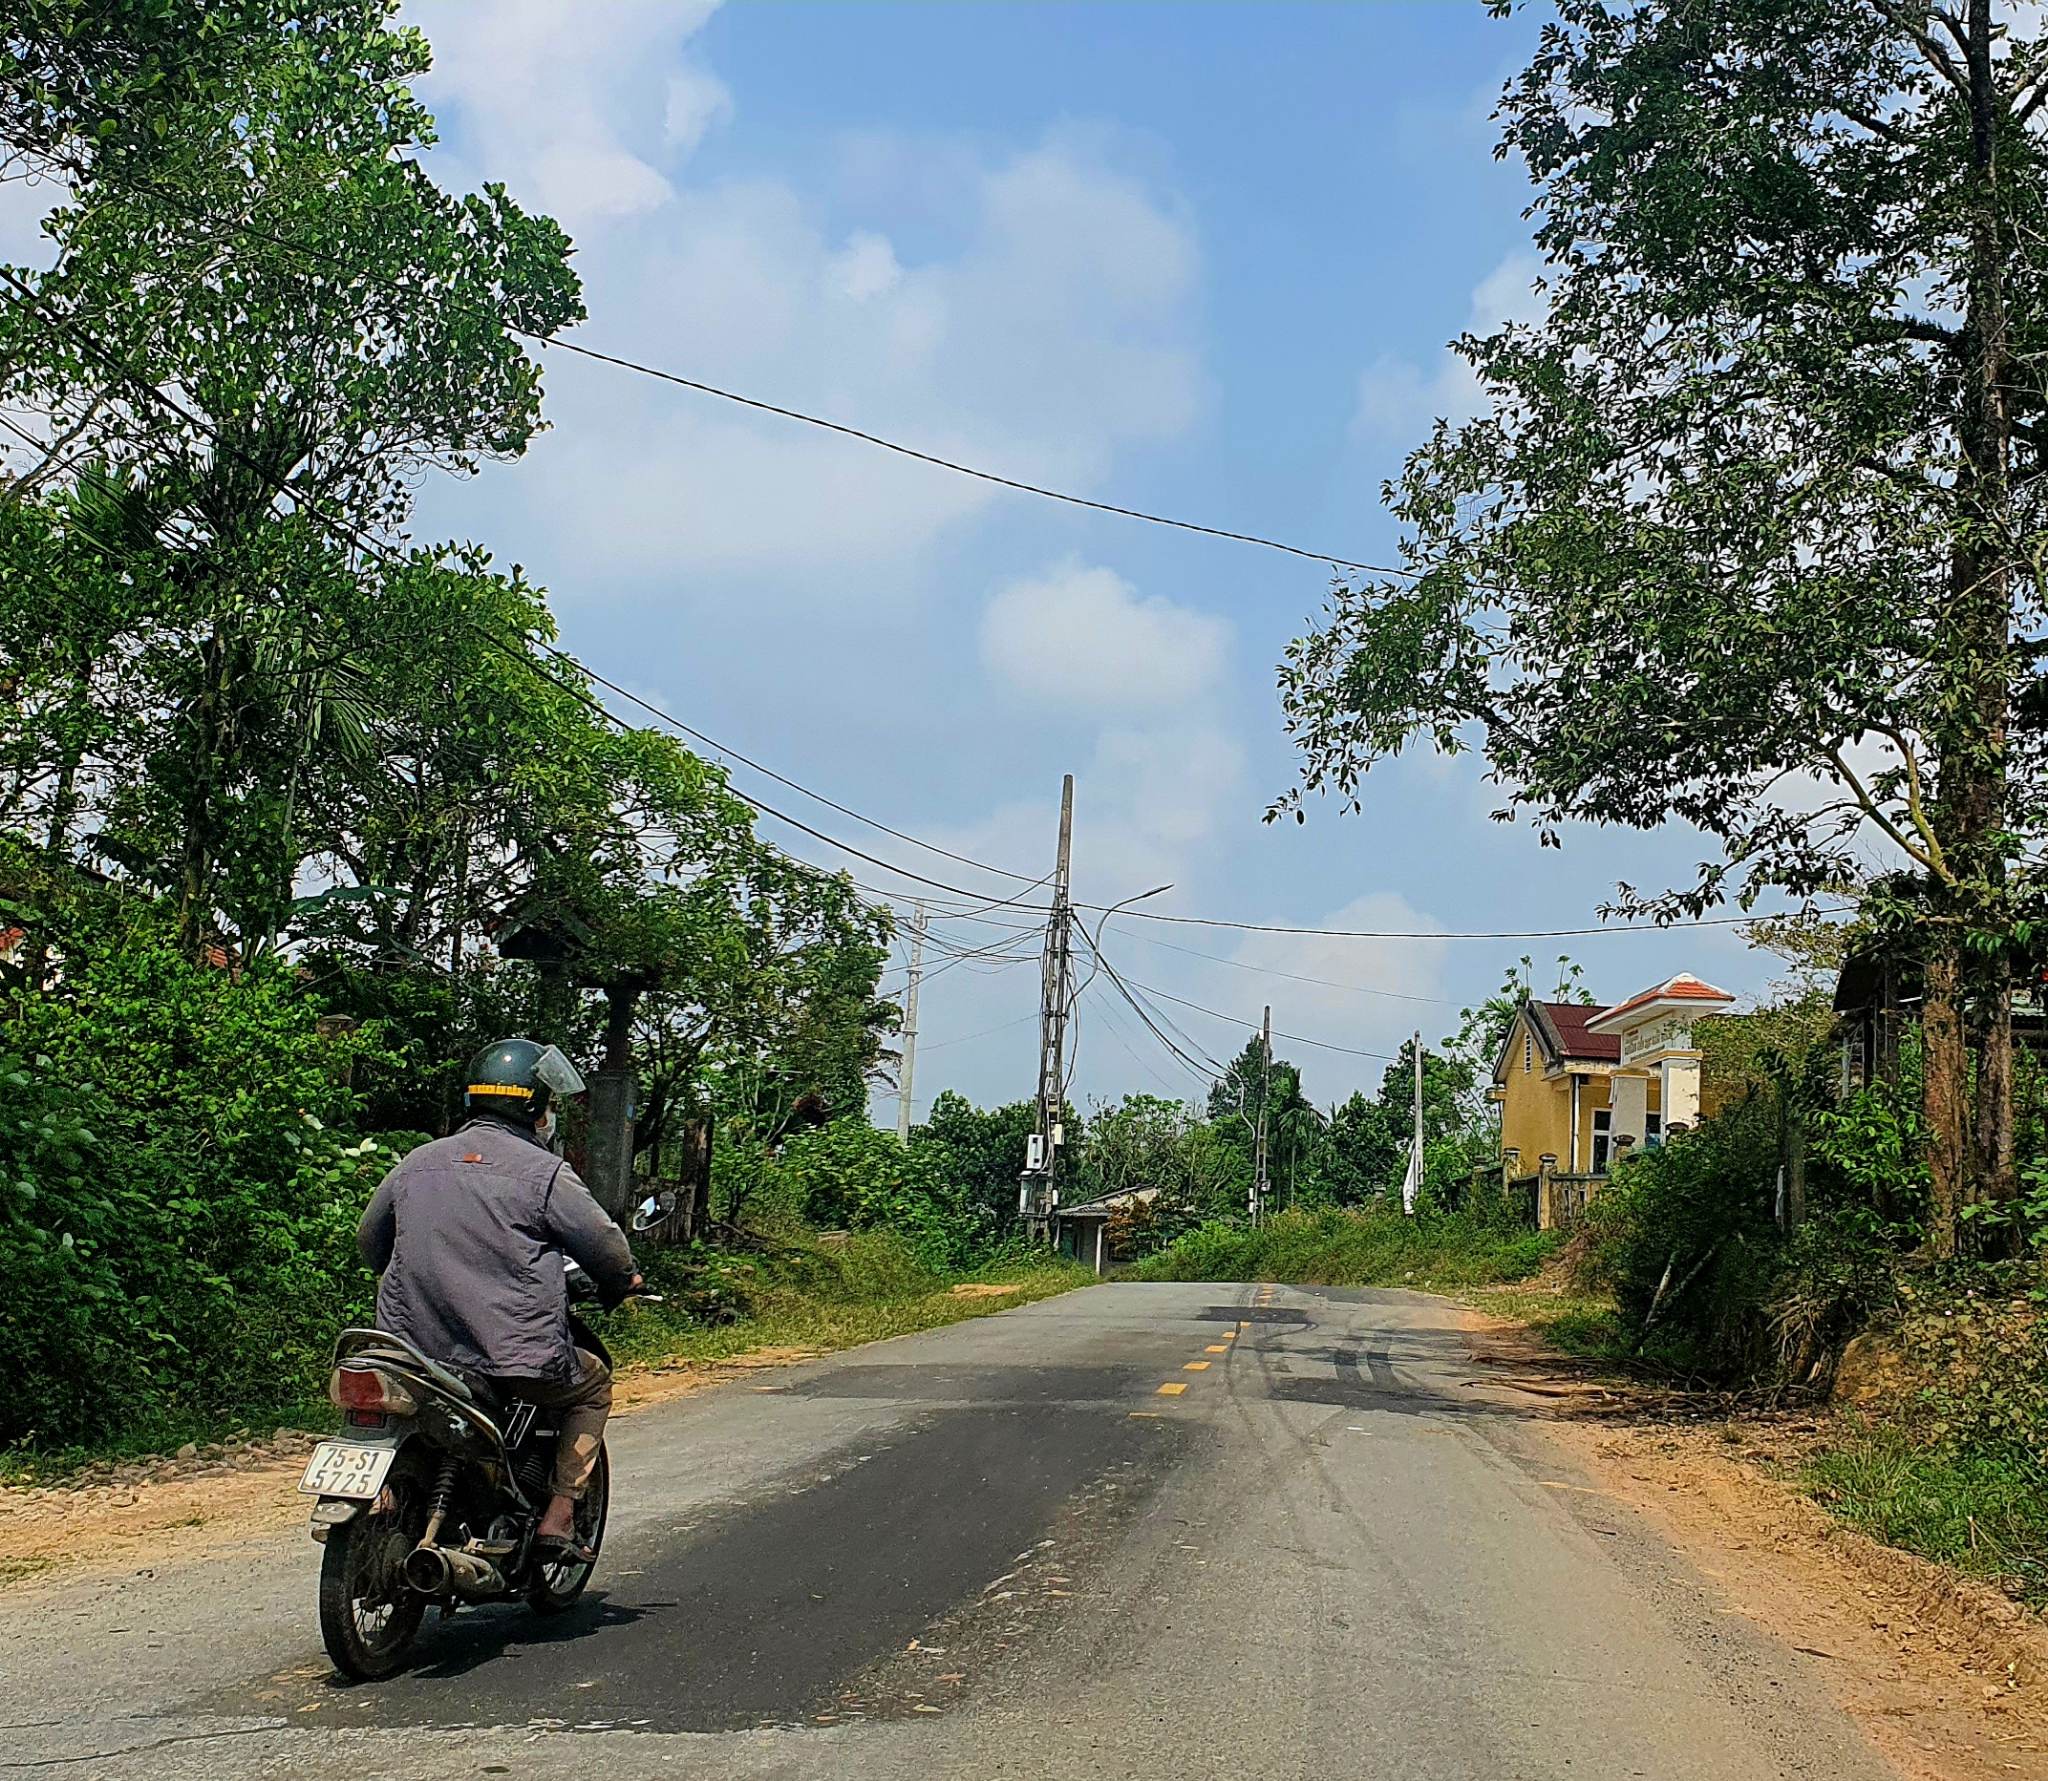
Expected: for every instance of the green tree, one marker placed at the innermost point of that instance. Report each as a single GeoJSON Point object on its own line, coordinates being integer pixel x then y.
{"type": "Point", "coordinates": [1294, 1129]}
{"type": "Point", "coordinates": [981, 1150]}
{"type": "Point", "coordinates": [1758, 500]}
{"type": "Point", "coordinates": [1367, 1150]}
{"type": "Point", "coordinates": [333, 324]}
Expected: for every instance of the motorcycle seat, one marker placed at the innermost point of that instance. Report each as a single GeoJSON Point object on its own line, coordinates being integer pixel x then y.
{"type": "Point", "coordinates": [367, 1344]}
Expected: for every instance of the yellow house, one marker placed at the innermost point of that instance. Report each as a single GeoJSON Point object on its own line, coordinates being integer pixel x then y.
{"type": "Point", "coordinates": [1576, 1083]}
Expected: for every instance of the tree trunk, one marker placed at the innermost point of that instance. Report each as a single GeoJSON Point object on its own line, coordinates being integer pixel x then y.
{"type": "Point", "coordinates": [1970, 1159]}
{"type": "Point", "coordinates": [1946, 1090]}
{"type": "Point", "coordinates": [620, 1001]}
{"type": "Point", "coordinates": [1993, 1179]}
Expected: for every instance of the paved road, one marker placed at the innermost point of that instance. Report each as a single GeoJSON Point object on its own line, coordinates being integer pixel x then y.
{"type": "Point", "coordinates": [1139, 1531]}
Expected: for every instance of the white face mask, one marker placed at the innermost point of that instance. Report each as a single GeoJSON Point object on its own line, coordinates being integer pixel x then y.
{"type": "Point", "coordinates": [544, 1127]}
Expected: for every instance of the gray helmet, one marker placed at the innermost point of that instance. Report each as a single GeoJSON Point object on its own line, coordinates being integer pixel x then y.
{"type": "Point", "coordinates": [519, 1080]}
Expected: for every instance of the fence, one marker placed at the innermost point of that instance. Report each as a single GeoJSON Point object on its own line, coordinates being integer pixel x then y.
{"type": "Point", "coordinates": [1548, 1201]}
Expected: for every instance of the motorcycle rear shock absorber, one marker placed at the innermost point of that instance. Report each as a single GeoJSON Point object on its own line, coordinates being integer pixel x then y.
{"type": "Point", "coordinates": [444, 1492]}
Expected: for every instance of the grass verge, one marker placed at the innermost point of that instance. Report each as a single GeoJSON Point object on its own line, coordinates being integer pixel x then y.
{"type": "Point", "coordinates": [1584, 1324]}
{"type": "Point", "coordinates": [1433, 1252]}
{"type": "Point", "coordinates": [1982, 1513]}
{"type": "Point", "coordinates": [808, 1293]}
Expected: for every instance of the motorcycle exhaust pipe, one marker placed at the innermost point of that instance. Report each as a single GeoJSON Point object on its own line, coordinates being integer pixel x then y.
{"type": "Point", "coordinates": [439, 1571]}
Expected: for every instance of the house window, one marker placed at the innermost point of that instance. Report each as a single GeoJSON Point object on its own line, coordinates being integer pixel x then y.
{"type": "Point", "coordinates": [1603, 1135]}
{"type": "Point", "coordinates": [1528, 1051]}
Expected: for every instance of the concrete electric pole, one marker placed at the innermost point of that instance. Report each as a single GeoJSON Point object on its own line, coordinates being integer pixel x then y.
{"type": "Point", "coordinates": [906, 1076]}
{"type": "Point", "coordinates": [1040, 1190]}
{"type": "Point", "coordinates": [1260, 1182]}
{"type": "Point", "coordinates": [1415, 1167]}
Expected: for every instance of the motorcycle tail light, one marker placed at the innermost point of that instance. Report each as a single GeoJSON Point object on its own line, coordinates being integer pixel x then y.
{"type": "Point", "coordinates": [366, 1389]}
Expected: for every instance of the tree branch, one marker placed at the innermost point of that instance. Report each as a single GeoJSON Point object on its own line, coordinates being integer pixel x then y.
{"type": "Point", "coordinates": [1915, 793]}
{"type": "Point", "coordinates": [1937, 57]}
{"type": "Point", "coordinates": [1883, 131]}
{"type": "Point", "coordinates": [1872, 809]}
{"type": "Point", "coordinates": [1953, 26]}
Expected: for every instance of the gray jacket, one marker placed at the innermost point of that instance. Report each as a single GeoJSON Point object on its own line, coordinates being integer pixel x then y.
{"type": "Point", "coordinates": [469, 1232]}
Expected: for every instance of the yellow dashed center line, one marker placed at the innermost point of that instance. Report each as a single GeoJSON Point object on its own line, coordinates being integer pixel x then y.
{"type": "Point", "coordinates": [1196, 1366]}
{"type": "Point", "coordinates": [1173, 1388]}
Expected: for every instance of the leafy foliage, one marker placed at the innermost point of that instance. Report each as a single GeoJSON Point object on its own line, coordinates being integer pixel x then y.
{"type": "Point", "coordinates": [246, 718]}
{"type": "Point", "coordinates": [181, 1207]}
{"type": "Point", "coordinates": [1758, 494]}
{"type": "Point", "coordinates": [1375, 1247]}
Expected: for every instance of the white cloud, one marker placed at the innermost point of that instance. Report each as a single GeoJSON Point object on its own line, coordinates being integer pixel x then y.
{"type": "Point", "coordinates": [1398, 400]}
{"type": "Point", "coordinates": [697, 101]}
{"type": "Point", "coordinates": [866, 266]}
{"type": "Point", "coordinates": [1054, 333]}
{"type": "Point", "coordinates": [1397, 969]}
{"type": "Point", "coordinates": [1082, 636]}
{"type": "Point", "coordinates": [1045, 325]}
{"type": "Point", "coordinates": [549, 97]}
{"type": "Point", "coordinates": [1148, 802]}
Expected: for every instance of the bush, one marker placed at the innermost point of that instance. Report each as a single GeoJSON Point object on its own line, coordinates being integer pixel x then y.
{"type": "Point", "coordinates": [850, 1176]}
{"type": "Point", "coordinates": [1697, 1219]}
{"type": "Point", "coordinates": [1377, 1246]}
{"type": "Point", "coordinates": [177, 1227]}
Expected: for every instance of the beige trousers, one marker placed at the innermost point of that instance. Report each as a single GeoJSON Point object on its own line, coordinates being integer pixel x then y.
{"type": "Point", "coordinates": [584, 1404]}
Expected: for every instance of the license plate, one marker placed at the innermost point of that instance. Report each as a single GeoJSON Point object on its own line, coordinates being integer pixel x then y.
{"type": "Point", "coordinates": [342, 1469]}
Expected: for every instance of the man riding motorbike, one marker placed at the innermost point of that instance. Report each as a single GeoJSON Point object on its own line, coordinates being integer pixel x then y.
{"type": "Point", "coordinates": [468, 1234]}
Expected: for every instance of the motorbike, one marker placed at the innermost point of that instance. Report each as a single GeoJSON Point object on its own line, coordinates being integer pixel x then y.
{"type": "Point", "coordinates": [430, 1497]}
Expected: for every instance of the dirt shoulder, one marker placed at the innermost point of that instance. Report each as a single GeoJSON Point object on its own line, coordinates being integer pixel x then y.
{"type": "Point", "coordinates": [1948, 1677]}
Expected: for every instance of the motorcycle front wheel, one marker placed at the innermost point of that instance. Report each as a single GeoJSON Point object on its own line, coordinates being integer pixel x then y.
{"type": "Point", "coordinates": [369, 1614]}
{"type": "Point", "coordinates": [556, 1587]}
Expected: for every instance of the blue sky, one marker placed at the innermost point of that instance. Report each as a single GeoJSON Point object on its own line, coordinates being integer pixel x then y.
{"type": "Point", "coordinates": [1200, 259]}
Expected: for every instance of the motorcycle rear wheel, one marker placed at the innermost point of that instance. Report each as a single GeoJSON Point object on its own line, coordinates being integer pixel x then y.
{"type": "Point", "coordinates": [556, 1587]}
{"type": "Point", "coordinates": [369, 1614]}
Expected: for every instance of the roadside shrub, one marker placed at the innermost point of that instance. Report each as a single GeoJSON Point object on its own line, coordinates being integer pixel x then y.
{"type": "Point", "coordinates": [1977, 1342]}
{"type": "Point", "coordinates": [1377, 1246]}
{"type": "Point", "coordinates": [1953, 1461]}
{"type": "Point", "coordinates": [848, 1175]}
{"type": "Point", "coordinates": [1692, 1230]}
{"type": "Point", "coordinates": [178, 1221]}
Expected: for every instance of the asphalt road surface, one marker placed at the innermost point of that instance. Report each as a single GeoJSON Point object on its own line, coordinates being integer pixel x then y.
{"type": "Point", "coordinates": [1137, 1531]}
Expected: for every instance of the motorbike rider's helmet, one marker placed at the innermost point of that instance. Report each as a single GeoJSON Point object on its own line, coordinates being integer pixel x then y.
{"type": "Point", "coordinates": [519, 1080]}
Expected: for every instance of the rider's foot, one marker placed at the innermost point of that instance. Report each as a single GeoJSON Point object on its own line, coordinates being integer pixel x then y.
{"type": "Point", "coordinates": [559, 1523]}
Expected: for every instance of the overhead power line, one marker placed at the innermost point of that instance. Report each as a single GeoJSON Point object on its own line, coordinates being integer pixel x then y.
{"type": "Point", "coordinates": [969, 1038]}
{"type": "Point", "coordinates": [951, 464]}
{"type": "Point", "coordinates": [1356, 989]}
{"type": "Point", "coordinates": [1621, 927]}
{"type": "Point", "coordinates": [354, 535]}
{"type": "Point", "coordinates": [842, 429]}
{"type": "Point", "coordinates": [361, 540]}
{"type": "Point", "coordinates": [1249, 1025]}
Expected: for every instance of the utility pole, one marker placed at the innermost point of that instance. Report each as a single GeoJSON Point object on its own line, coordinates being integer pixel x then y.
{"type": "Point", "coordinates": [1415, 1168]}
{"type": "Point", "coordinates": [907, 1075]}
{"type": "Point", "coordinates": [1259, 1181]}
{"type": "Point", "coordinates": [1038, 1194]}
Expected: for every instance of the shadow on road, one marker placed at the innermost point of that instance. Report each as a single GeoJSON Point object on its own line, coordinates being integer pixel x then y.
{"type": "Point", "coordinates": [481, 1635]}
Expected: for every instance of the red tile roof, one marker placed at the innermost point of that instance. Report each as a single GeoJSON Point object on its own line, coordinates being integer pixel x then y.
{"type": "Point", "coordinates": [1569, 1019]}
{"type": "Point", "coordinates": [1683, 988]}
